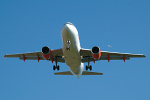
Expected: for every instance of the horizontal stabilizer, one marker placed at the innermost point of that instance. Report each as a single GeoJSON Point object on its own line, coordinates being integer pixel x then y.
{"type": "Point", "coordinates": [63, 73]}
{"type": "Point", "coordinates": [83, 73]}
{"type": "Point", "coordinates": [91, 73]}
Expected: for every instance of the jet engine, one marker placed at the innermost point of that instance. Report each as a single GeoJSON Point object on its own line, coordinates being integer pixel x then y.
{"type": "Point", "coordinates": [46, 52]}
{"type": "Point", "coordinates": [96, 52]}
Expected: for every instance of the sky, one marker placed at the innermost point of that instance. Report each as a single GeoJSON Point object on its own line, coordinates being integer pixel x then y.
{"type": "Point", "coordinates": [28, 25]}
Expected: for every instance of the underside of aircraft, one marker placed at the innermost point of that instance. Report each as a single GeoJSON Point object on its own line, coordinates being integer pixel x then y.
{"type": "Point", "coordinates": [73, 55]}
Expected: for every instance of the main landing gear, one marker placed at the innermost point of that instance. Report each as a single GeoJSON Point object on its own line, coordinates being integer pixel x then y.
{"type": "Point", "coordinates": [57, 66]}
{"type": "Point", "coordinates": [68, 48]}
{"type": "Point", "coordinates": [89, 66]}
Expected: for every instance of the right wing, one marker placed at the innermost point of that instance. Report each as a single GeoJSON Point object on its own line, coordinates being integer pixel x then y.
{"type": "Point", "coordinates": [105, 55]}
{"type": "Point", "coordinates": [38, 55]}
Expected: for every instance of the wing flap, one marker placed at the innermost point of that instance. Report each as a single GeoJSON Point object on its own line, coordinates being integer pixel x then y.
{"type": "Point", "coordinates": [62, 60]}
{"type": "Point", "coordinates": [32, 58]}
{"type": "Point", "coordinates": [104, 58]}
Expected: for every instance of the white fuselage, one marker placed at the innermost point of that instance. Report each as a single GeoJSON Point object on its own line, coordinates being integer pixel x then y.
{"type": "Point", "coordinates": [72, 55]}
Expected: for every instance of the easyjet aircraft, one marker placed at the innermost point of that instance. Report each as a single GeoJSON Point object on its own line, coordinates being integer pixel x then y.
{"type": "Point", "coordinates": [73, 55]}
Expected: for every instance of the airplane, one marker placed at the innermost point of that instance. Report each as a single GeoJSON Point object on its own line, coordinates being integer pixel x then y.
{"type": "Point", "coordinates": [73, 55]}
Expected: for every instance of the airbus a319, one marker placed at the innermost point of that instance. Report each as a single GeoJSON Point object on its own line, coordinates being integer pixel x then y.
{"type": "Point", "coordinates": [73, 55]}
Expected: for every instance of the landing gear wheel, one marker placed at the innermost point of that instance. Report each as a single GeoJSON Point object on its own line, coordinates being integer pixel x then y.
{"type": "Point", "coordinates": [90, 68]}
{"type": "Point", "coordinates": [68, 49]}
{"type": "Point", "coordinates": [86, 68]}
{"type": "Point", "coordinates": [58, 67]}
{"type": "Point", "coordinates": [54, 67]}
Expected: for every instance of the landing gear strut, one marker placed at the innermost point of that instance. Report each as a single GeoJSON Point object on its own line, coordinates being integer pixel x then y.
{"type": "Point", "coordinates": [89, 66]}
{"type": "Point", "coordinates": [57, 66]}
{"type": "Point", "coordinates": [68, 48]}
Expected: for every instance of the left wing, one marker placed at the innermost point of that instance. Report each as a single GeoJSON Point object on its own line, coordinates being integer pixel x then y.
{"type": "Point", "coordinates": [105, 55]}
{"type": "Point", "coordinates": [38, 55]}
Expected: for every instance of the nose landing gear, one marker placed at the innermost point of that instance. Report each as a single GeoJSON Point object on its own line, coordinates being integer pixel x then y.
{"type": "Point", "coordinates": [68, 48]}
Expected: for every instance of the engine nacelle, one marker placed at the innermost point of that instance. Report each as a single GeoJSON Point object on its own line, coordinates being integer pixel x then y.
{"type": "Point", "coordinates": [96, 52]}
{"type": "Point", "coordinates": [46, 52]}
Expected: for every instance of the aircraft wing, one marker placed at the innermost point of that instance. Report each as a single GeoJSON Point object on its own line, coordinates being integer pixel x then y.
{"type": "Point", "coordinates": [38, 55]}
{"type": "Point", "coordinates": [106, 55]}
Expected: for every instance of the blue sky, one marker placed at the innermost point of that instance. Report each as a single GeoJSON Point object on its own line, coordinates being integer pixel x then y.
{"type": "Point", "coordinates": [28, 25]}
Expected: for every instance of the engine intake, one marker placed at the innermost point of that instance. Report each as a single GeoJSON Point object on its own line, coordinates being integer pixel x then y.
{"type": "Point", "coordinates": [96, 52]}
{"type": "Point", "coordinates": [46, 52]}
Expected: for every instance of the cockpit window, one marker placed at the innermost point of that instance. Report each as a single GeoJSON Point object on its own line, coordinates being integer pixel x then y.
{"type": "Point", "coordinates": [69, 23]}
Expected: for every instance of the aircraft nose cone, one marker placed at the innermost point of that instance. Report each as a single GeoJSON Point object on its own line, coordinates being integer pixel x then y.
{"type": "Point", "coordinates": [69, 23]}
{"type": "Point", "coordinates": [67, 26]}
{"type": "Point", "coordinates": [69, 30]}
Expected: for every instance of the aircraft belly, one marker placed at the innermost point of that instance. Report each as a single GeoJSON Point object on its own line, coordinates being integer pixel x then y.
{"type": "Point", "coordinates": [72, 56]}
{"type": "Point", "coordinates": [72, 59]}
